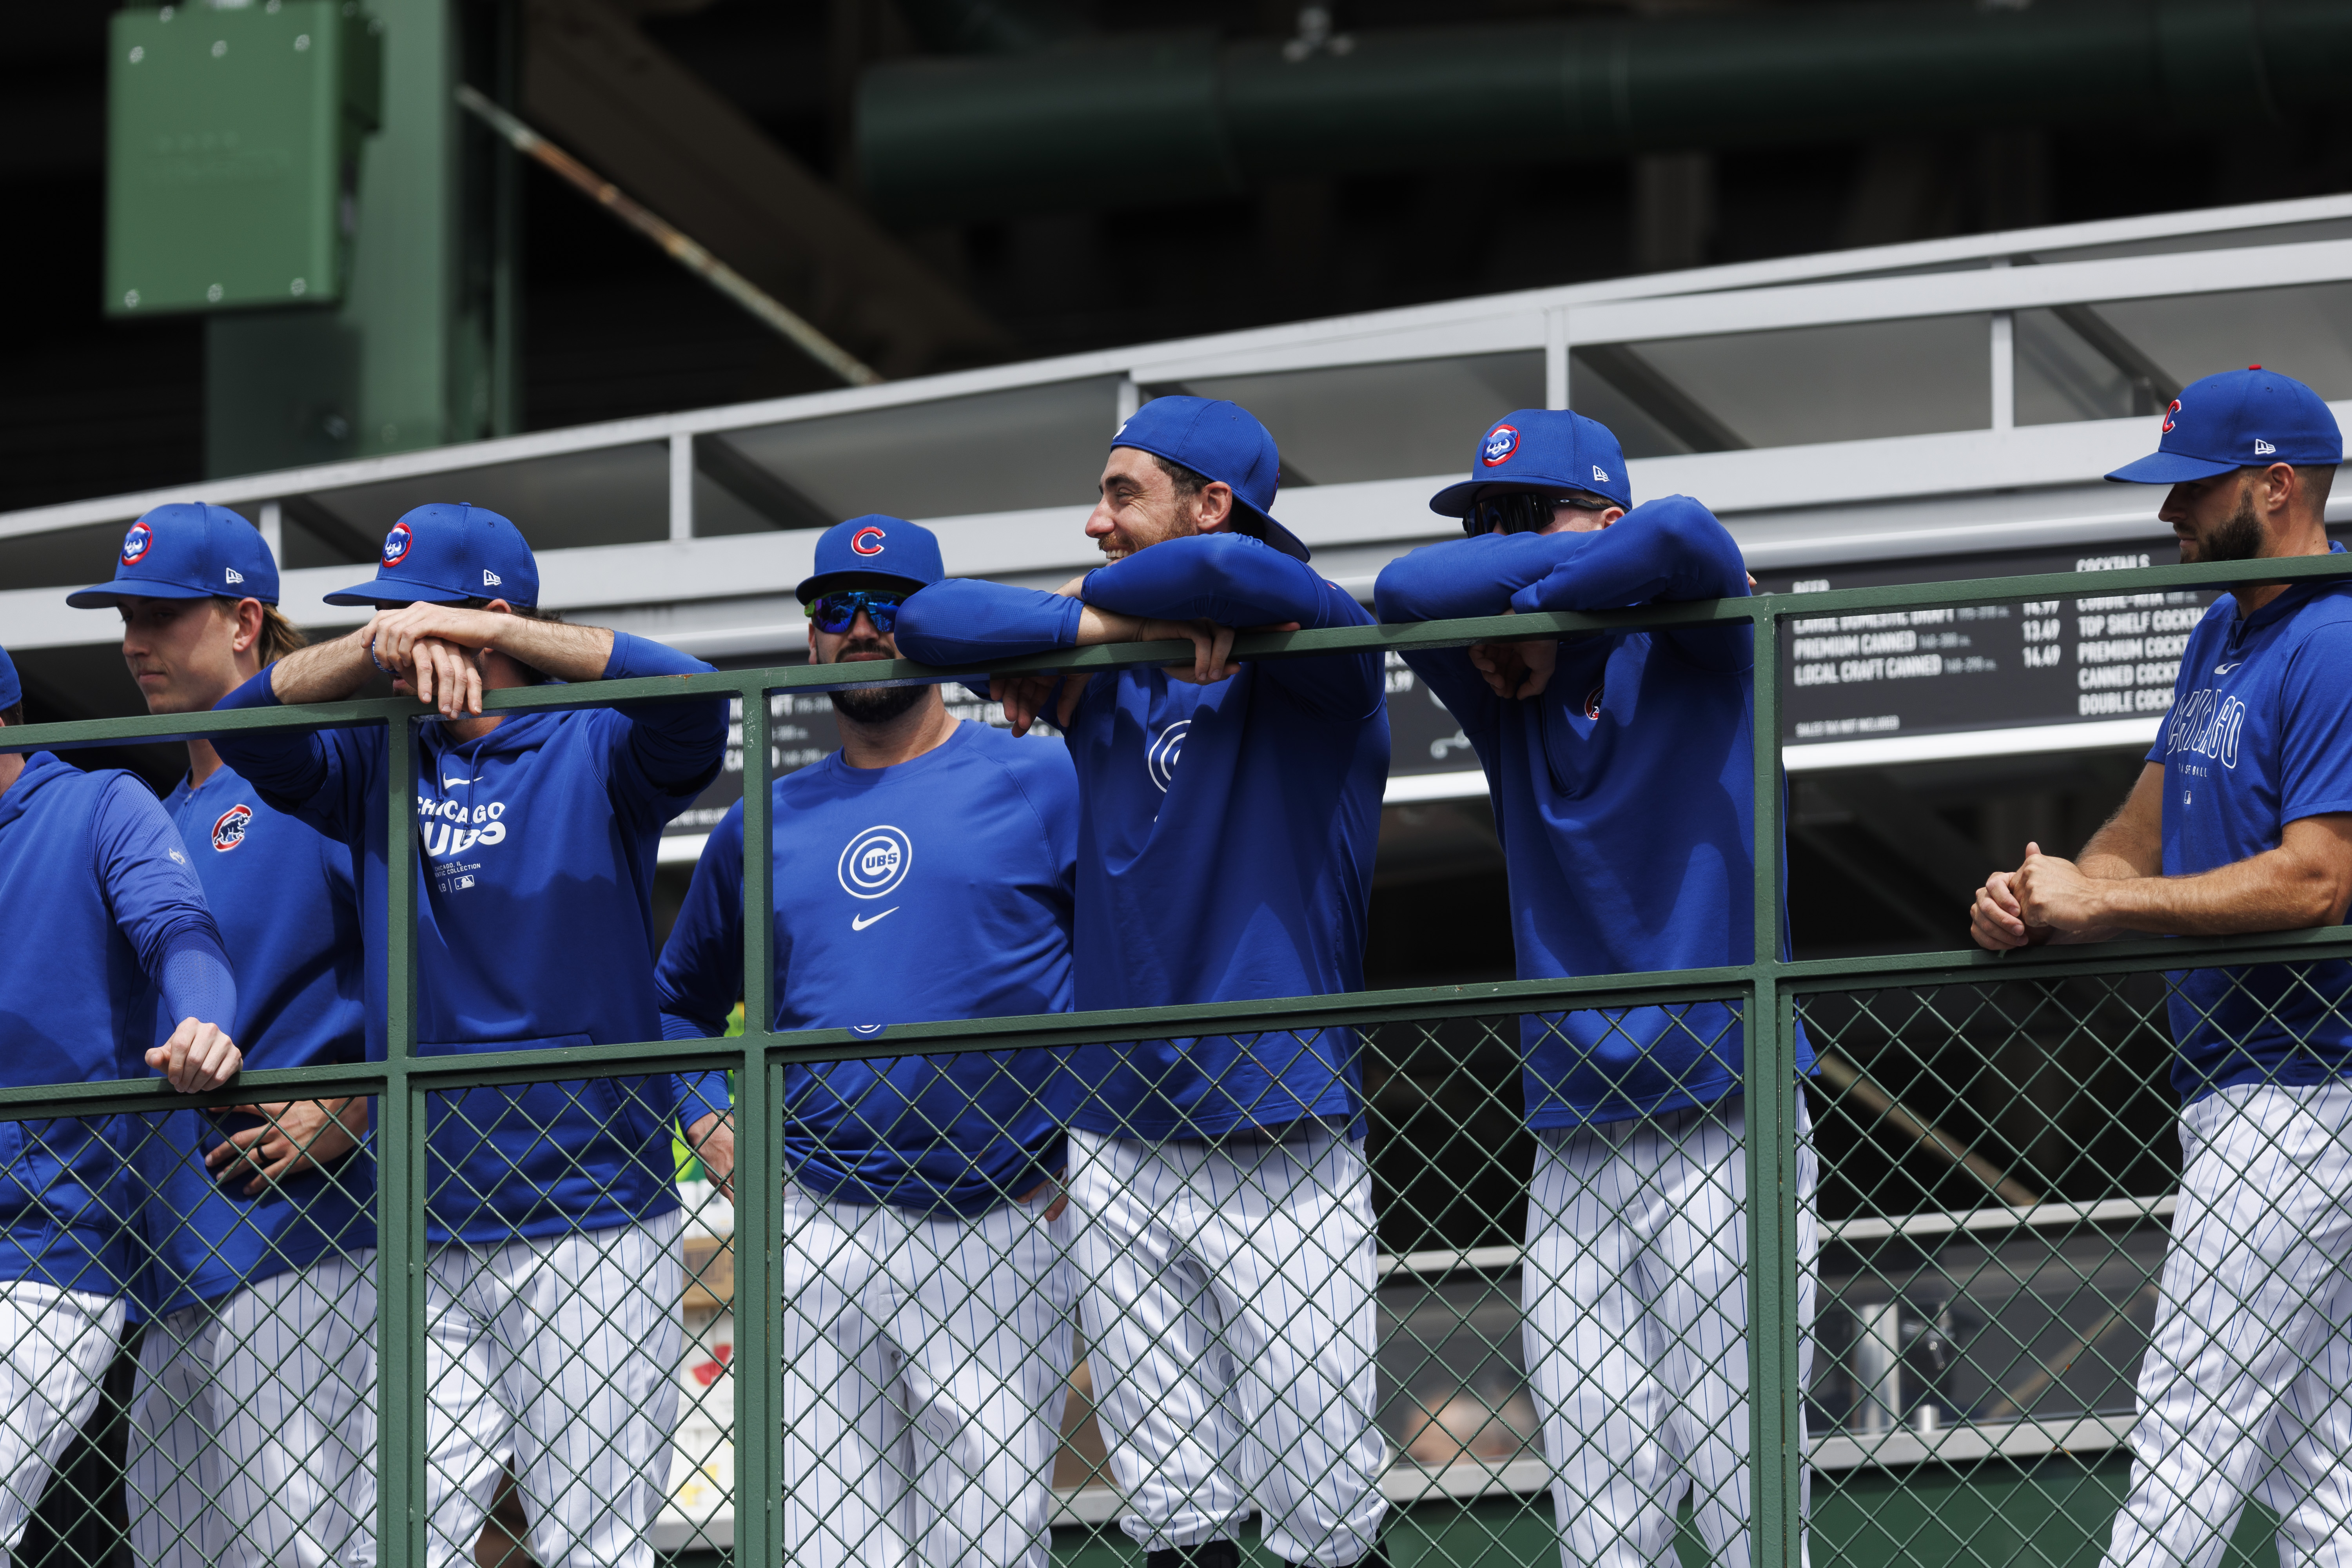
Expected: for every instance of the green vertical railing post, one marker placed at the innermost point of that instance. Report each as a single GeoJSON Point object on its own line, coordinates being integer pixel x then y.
{"type": "Point", "coordinates": [400, 1178]}
{"type": "Point", "coordinates": [759, 1478]}
{"type": "Point", "coordinates": [1775, 1402]}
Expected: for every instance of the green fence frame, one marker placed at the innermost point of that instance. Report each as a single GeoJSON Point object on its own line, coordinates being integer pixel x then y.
{"type": "Point", "coordinates": [1768, 986]}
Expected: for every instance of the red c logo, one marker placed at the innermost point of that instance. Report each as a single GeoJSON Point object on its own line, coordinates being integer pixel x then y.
{"type": "Point", "coordinates": [867, 541]}
{"type": "Point", "coordinates": [2169, 414]}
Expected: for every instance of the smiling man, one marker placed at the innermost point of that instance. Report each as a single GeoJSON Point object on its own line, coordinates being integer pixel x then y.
{"type": "Point", "coordinates": [553, 1274]}
{"type": "Point", "coordinates": [2242, 821]}
{"type": "Point", "coordinates": [251, 1404]}
{"type": "Point", "coordinates": [921, 872]}
{"type": "Point", "coordinates": [1227, 820]}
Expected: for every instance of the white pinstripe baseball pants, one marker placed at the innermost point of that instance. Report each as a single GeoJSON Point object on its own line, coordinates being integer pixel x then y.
{"type": "Point", "coordinates": [559, 1353]}
{"type": "Point", "coordinates": [926, 1363]}
{"type": "Point", "coordinates": [2247, 1385]}
{"type": "Point", "coordinates": [296, 1372]}
{"type": "Point", "coordinates": [55, 1347]}
{"type": "Point", "coordinates": [1230, 1324]}
{"type": "Point", "coordinates": [1635, 1328]}
{"type": "Point", "coordinates": [173, 1473]}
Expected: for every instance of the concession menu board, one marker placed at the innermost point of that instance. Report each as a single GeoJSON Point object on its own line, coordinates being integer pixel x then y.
{"type": "Point", "coordinates": [2088, 656]}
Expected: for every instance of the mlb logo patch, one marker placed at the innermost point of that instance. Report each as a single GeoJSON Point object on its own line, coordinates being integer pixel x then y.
{"type": "Point", "coordinates": [1501, 443]}
{"type": "Point", "coordinates": [136, 543]}
{"type": "Point", "coordinates": [397, 543]}
{"type": "Point", "coordinates": [228, 832]}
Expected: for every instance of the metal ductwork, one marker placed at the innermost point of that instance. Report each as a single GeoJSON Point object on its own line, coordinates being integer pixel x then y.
{"type": "Point", "coordinates": [1136, 120]}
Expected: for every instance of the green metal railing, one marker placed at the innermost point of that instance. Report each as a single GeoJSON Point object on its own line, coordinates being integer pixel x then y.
{"type": "Point", "coordinates": [1766, 987]}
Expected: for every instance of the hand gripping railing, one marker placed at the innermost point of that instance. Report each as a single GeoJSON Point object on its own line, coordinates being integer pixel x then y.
{"type": "Point", "coordinates": [1767, 986]}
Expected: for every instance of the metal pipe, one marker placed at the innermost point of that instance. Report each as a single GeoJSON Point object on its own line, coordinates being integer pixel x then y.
{"type": "Point", "coordinates": [680, 246]}
{"type": "Point", "coordinates": [1143, 119]}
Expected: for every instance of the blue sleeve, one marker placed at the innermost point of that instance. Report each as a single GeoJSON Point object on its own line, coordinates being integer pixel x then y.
{"type": "Point", "coordinates": [1236, 581]}
{"type": "Point", "coordinates": [665, 753]}
{"type": "Point", "coordinates": [1672, 550]}
{"type": "Point", "coordinates": [158, 906]}
{"type": "Point", "coordinates": [320, 776]}
{"type": "Point", "coordinates": [699, 976]}
{"type": "Point", "coordinates": [2315, 732]}
{"type": "Point", "coordinates": [196, 982]}
{"type": "Point", "coordinates": [1455, 581]}
{"type": "Point", "coordinates": [963, 622]}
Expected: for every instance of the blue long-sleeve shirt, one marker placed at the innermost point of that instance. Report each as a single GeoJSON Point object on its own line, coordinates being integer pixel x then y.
{"type": "Point", "coordinates": [282, 894]}
{"type": "Point", "coordinates": [1623, 795]}
{"type": "Point", "coordinates": [535, 848]}
{"type": "Point", "coordinates": [880, 874]}
{"type": "Point", "coordinates": [1225, 832]}
{"type": "Point", "coordinates": [99, 911]}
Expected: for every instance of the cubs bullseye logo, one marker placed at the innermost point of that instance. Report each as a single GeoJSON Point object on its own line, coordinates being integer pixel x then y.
{"type": "Point", "coordinates": [875, 862]}
{"type": "Point", "coordinates": [1167, 750]}
{"type": "Point", "coordinates": [2169, 414]}
{"type": "Point", "coordinates": [1501, 442]}
{"type": "Point", "coordinates": [867, 541]}
{"type": "Point", "coordinates": [229, 831]}
{"type": "Point", "coordinates": [1592, 703]}
{"type": "Point", "coordinates": [397, 543]}
{"type": "Point", "coordinates": [135, 543]}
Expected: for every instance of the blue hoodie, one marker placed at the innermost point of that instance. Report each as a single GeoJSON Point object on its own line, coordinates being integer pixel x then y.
{"type": "Point", "coordinates": [1623, 795]}
{"type": "Point", "coordinates": [879, 872]}
{"type": "Point", "coordinates": [281, 893]}
{"type": "Point", "coordinates": [99, 911]}
{"type": "Point", "coordinates": [534, 930]}
{"type": "Point", "coordinates": [1225, 832]}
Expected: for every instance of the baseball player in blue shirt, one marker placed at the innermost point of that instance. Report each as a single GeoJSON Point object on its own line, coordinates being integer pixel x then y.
{"type": "Point", "coordinates": [1620, 766]}
{"type": "Point", "coordinates": [99, 916]}
{"type": "Point", "coordinates": [251, 1410]}
{"type": "Point", "coordinates": [2242, 821]}
{"type": "Point", "coordinates": [553, 1278]}
{"type": "Point", "coordinates": [1228, 814]}
{"type": "Point", "coordinates": [925, 1329]}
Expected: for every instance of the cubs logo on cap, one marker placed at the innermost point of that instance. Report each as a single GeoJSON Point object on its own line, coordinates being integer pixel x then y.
{"type": "Point", "coordinates": [397, 543]}
{"type": "Point", "coordinates": [867, 541]}
{"type": "Point", "coordinates": [228, 832]}
{"type": "Point", "coordinates": [1500, 443]}
{"type": "Point", "coordinates": [136, 544]}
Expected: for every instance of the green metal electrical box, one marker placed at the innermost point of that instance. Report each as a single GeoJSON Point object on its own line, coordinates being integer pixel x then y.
{"type": "Point", "coordinates": [233, 145]}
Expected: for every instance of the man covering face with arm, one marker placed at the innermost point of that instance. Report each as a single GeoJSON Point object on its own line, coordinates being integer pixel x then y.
{"type": "Point", "coordinates": [251, 1406]}
{"type": "Point", "coordinates": [923, 871]}
{"type": "Point", "coordinates": [100, 917]}
{"type": "Point", "coordinates": [1620, 766]}
{"type": "Point", "coordinates": [553, 1278]}
{"type": "Point", "coordinates": [2242, 821]}
{"type": "Point", "coordinates": [1227, 822]}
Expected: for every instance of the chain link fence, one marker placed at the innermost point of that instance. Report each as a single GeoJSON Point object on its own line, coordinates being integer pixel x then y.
{"type": "Point", "coordinates": [1904, 1308]}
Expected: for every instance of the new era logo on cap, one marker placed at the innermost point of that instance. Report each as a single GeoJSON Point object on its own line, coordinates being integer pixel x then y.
{"type": "Point", "coordinates": [233, 575]}
{"type": "Point", "coordinates": [2263, 448]}
{"type": "Point", "coordinates": [489, 578]}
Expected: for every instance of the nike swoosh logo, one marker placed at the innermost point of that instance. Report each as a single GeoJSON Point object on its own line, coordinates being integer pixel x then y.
{"type": "Point", "coordinates": [862, 921]}
{"type": "Point", "coordinates": [2226, 669]}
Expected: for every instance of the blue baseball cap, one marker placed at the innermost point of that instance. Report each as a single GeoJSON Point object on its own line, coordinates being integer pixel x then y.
{"type": "Point", "coordinates": [1221, 441]}
{"type": "Point", "coordinates": [875, 546]}
{"type": "Point", "coordinates": [11, 691]}
{"type": "Point", "coordinates": [447, 552]}
{"type": "Point", "coordinates": [1542, 448]}
{"type": "Point", "coordinates": [187, 551]}
{"type": "Point", "coordinates": [2238, 419]}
